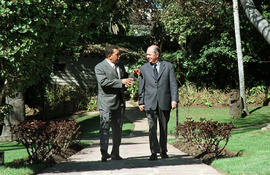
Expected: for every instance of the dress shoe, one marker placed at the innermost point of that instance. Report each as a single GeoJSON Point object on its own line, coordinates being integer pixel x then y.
{"type": "Point", "coordinates": [164, 155]}
{"type": "Point", "coordinates": [153, 156]}
{"type": "Point", "coordinates": [105, 156]}
{"type": "Point", "coordinates": [116, 157]}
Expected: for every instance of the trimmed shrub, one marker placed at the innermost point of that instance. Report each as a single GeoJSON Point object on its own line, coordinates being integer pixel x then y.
{"type": "Point", "coordinates": [42, 139]}
{"type": "Point", "coordinates": [206, 135]}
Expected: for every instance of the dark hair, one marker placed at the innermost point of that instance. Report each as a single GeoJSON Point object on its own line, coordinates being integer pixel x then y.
{"type": "Point", "coordinates": [109, 50]}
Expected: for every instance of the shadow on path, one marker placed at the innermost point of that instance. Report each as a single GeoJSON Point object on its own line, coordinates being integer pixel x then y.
{"type": "Point", "coordinates": [129, 163]}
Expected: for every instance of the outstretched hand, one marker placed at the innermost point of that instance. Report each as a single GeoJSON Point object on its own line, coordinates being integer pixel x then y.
{"type": "Point", "coordinates": [127, 81]}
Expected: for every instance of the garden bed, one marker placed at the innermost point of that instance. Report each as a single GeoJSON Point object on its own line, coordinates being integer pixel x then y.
{"type": "Point", "coordinates": [73, 149]}
{"type": "Point", "coordinates": [205, 158]}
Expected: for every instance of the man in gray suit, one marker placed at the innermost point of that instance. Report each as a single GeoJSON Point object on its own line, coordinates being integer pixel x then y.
{"type": "Point", "coordinates": [158, 94]}
{"type": "Point", "coordinates": [111, 79]}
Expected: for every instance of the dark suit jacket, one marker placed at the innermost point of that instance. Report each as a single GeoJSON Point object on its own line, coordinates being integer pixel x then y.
{"type": "Point", "coordinates": [110, 87]}
{"type": "Point", "coordinates": [159, 92]}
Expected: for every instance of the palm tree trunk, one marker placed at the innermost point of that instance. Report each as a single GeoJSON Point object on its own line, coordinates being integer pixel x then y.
{"type": "Point", "coordinates": [239, 56]}
{"type": "Point", "coordinates": [256, 18]}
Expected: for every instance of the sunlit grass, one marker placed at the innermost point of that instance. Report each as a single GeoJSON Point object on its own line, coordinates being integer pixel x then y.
{"type": "Point", "coordinates": [14, 151]}
{"type": "Point", "coordinates": [247, 138]}
{"type": "Point", "coordinates": [258, 116]}
{"type": "Point", "coordinates": [255, 146]}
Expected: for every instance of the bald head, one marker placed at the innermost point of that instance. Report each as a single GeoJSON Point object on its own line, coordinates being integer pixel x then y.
{"type": "Point", "coordinates": [152, 54]}
{"type": "Point", "coordinates": [155, 48]}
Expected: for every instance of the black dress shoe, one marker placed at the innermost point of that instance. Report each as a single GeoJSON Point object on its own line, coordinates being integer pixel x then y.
{"type": "Point", "coordinates": [105, 156]}
{"type": "Point", "coordinates": [116, 157]}
{"type": "Point", "coordinates": [164, 155]}
{"type": "Point", "coordinates": [153, 156]}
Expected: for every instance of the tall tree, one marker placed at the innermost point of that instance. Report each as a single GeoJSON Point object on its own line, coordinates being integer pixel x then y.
{"type": "Point", "coordinates": [239, 55]}
{"type": "Point", "coordinates": [256, 18]}
{"type": "Point", "coordinates": [34, 33]}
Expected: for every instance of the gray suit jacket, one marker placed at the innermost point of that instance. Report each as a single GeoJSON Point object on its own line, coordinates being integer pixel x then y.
{"type": "Point", "coordinates": [159, 92]}
{"type": "Point", "coordinates": [110, 87]}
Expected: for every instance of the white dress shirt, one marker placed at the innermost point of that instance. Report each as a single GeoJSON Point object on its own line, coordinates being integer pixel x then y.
{"type": "Point", "coordinates": [114, 67]}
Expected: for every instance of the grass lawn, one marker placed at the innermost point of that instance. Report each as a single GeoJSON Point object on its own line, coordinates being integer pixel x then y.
{"type": "Point", "coordinates": [248, 138]}
{"type": "Point", "coordinates": [255, 144]}
{"type": "Point", "coordinates": [14, 151]}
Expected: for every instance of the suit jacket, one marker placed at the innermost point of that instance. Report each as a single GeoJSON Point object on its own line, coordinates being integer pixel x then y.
{"type": "Point", "coordinates": [110, 87]}
{"type": "Point", "coordinates": [159, 92]}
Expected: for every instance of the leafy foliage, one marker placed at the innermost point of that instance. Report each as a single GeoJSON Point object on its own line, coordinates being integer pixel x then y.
{"type": "Point", "coordinates": [139, 61]}
{"type": "Point", "coordinates": [206, 46]}
{"type": "Point", "coordinates": [42, 140]}
{"type": "Point", "coordinates": [34, 33]}
{"type": "Point", "coordinates": [4, 111]}
{"type": "Point", "coordinates": [62, 100]}
{"type": "Point", "coordinates": [205, 134]}
{"type": "Point", "coordinates": [190, 96]}
{"type": "Point", "coordinates": [92, 104]}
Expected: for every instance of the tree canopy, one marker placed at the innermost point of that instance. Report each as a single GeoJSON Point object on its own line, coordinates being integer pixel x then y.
{"type": "Point", "coordinates": [205, 35]}
{"type": "Point", "coordinates": [34, 32]}
{"type": "Point", "coordinates": [197, 36]}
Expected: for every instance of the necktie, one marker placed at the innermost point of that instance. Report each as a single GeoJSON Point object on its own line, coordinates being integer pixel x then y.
{"type": "Point", "coordinates": [155, 71]}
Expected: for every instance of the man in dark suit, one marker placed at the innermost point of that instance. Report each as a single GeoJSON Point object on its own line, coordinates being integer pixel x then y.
{"type": "Point", "coordinates": [111, 79]}
{"type": "Point", "coordinates": [158, 94]}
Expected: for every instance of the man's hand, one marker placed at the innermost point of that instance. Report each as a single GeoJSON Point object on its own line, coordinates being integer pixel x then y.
{"type": "Point", "coordinates": [127, 81]}
{"type": "Point", "coordinates": [141, 107]}
{"type": "Point", "coordinates": [174, 104]}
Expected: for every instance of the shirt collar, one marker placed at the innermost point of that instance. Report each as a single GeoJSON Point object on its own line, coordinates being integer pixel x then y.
{"type": "Point", "coordinates": [158, 63]}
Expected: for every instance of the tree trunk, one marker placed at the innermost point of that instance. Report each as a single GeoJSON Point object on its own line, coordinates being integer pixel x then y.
{"type": "Point", "coordinates": [3, 91]}
{"type": "Point", "coordinates": [239, 56]}
{"type": "Point", "coordinates": [256, 18]}
{"type": "Point", "coordinates": [15, 116]}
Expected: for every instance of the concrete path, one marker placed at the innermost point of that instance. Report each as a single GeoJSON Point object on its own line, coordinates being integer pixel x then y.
{"type": "Point", "coordinates": [135, 151]}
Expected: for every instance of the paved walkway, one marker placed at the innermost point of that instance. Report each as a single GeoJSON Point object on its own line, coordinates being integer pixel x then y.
{"type": "Point", "coordinates": [135, 151]}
